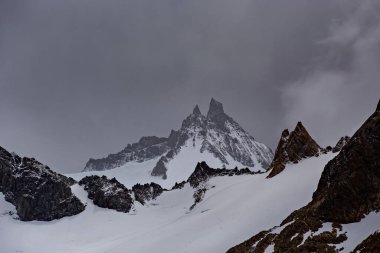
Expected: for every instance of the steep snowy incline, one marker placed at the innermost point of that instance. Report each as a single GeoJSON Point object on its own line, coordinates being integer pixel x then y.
{"type": "Point", "coordinates": [232, 206]}
{"type": "Point", "coordinates": [215, 138]}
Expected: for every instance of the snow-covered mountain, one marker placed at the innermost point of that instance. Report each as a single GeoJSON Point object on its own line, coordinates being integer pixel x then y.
{"type": "Point", "coordinates": [215, 138]}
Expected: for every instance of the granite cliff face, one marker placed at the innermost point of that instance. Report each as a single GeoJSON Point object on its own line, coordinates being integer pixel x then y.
{"type": "Point", "coordinates": [292, 148]}
{"type": "Point", "coordinates": [217, 134]}
{"type": "Point", "coordinates": [348, 190]}
{"type": "Point", "coordinates": [37, 192]}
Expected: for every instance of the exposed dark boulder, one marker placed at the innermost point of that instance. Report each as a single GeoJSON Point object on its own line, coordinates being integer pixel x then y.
{"type": "Point", "coordinates": [37, 192]}
{"type": "Point", "coordinates": [293, 147]}
{"type": "Point", "coordinates": [108, 193]}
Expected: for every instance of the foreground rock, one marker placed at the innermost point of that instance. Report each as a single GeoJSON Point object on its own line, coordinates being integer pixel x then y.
{"type": "Point", "coordinates": [348, 190]}
{"type": "Point", "coordinates": [108, 193]}
{"type": "Point", "coordinates": [37, 192]}
{"type": "Point", "coordinates": [293, 147]}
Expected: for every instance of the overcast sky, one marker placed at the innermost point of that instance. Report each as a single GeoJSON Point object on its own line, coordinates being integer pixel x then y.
{"type": "Point", "coordinates": [83, 78]}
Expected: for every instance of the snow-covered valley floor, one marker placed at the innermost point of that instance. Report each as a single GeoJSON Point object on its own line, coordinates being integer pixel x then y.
{"type": "Point", "coordinates": [234, 208]}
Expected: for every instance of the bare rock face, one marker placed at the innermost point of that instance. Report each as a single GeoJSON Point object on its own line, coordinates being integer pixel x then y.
{"type": "Point", "coordinates": [37, 192]}
{"type": "Point", "coordinates": [293, 147]}
{"type": "Point", "coordinates": [146, 192]}
{"type": "Point", "coordinates": [108, 193]}
{"type": "Point", "coordinates": [349, 189]}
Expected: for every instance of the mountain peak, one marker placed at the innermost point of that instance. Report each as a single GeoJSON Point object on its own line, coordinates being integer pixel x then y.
{"type": "Point", "coordinates": [215, 108]}
{"type": "Point", "coordinates": [293, 147]}
{"type": "Point", "coordinates": [299, 127]}
{"type": "Point", "coordinates": [378, 107]}
{"type": "Point", "coordinates": [196, 110]}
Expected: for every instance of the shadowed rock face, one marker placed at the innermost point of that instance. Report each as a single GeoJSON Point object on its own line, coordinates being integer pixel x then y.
{"type": "Point", "coordinates": [37, 192]}
{"type": "Point", "coordinates": [349, 188]}
{"type": "Point", "coordinates": [293, 147]}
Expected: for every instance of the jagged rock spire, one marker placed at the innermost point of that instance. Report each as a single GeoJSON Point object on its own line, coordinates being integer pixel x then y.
{"type": "Point", "coordinates": [378, 106]}
{"type": "Point", "coordinates": [215, 108]}
{"type": "Point", "coordinates": [293, 147]}
{"type": "Point", "coordinates": [196, 110]}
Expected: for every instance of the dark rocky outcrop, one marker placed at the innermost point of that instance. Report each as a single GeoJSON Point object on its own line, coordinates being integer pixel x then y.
{"type": "Point", "coordinates": [108, 193]}
{"type": "Point", "coordinates": [37, 192]}
{"type": "Point", "coordinates": [293, 147]}
{"type": "Point", "coordinates": [146, 192]}
{"type": "Point", "coordinates": [349, 189]}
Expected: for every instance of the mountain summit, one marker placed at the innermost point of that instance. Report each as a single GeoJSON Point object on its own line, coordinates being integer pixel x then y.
{"type": "Point", "coordinates": [293, 147]}
{"type": "Point", "coordinates": [215, 138]}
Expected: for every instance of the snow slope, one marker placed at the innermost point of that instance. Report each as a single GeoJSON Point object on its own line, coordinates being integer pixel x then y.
{"type": "Point", "coordinates": [232, 208]}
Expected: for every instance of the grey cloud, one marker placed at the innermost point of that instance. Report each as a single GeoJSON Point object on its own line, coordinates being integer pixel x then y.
{"type": "Point", "coordinates": [82, 78]}
{"type": "Point", "coordinates": [343, 87]}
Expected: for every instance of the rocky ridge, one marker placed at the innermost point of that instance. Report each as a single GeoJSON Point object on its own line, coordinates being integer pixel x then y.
{"type": "Point", "coordinates": [348, 190]}
{"type": "Point", "coordinates": [37, 192]}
